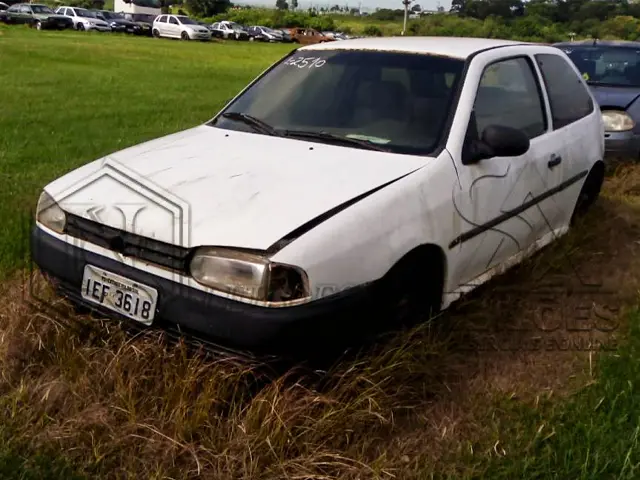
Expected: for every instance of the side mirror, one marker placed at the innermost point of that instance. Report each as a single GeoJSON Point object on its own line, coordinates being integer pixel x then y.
{"type": "Point", "coordinates": [498, 141]}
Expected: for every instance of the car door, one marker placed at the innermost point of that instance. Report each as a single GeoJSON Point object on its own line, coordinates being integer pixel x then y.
{"type": "Point", "coordinates": [573, 118]}
{"type": "Point", "coordinates": [496, 199]}
{"type": "Point", "coordinates": [13, 14]}
{"type": "Point", "coordinates": [173, 27]}
{"type": "Point", "coordinates": [161, 25]}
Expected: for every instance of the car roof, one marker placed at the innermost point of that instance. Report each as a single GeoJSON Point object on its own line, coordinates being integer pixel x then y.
{"type": "Point", "coordinates": [599, 43]}
{"type": "Point", "coordinates": [460, 47]}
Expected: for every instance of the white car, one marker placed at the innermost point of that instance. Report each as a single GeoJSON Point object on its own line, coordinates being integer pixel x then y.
{"type": "Point", "coordinates": [349, 178]}
{"type": "Point", "coordinates": [84, 19]}
{"type": "Point", "coordinates": [229, 30]}
{"type": "Point", "coordinates": [179, 26]}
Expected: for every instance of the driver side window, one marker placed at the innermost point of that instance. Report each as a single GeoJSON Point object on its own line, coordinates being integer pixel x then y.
{"type": "Point", "coordinates": [509, 95]}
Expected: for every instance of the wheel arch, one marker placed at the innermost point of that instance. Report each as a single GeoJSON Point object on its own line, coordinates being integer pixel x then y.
{"type": "Point", "coordinates": [429, 256]}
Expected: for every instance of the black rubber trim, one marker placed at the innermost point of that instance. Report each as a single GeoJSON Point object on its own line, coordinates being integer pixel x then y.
{"type": "Point", "coordinates": [468, 235]}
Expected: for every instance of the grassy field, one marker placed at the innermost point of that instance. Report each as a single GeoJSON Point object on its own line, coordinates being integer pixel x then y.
{"type": "Point", "coordinates": [467, 396]}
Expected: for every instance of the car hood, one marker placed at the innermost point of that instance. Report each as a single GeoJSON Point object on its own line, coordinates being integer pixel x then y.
{"type": "Point", "coordinates": [97, 21]}
{"type": "Point", "coordinates": [45, 16]}
{"type": "Point", "coordinates": [618, 97]}
{"type": "Point", "coordinates": [238, 189]}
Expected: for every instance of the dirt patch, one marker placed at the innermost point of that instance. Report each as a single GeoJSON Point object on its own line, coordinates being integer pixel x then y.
{"type": "Point", "coordinates": [135, 407]}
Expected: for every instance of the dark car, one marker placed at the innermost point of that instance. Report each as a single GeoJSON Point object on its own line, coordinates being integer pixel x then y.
{"type": "Point", "coordinates": [612, 70]}
{"type": "Point", "coordinates": [36, 16]}
{"type": "Point", "coordinates": [3, 9]}
{"type": "Point", "coordinates": [118, 22]}
{"type": "Point", "coordinates": [143, 20]}
{"type": "Point", "coordinates": [264, 34]}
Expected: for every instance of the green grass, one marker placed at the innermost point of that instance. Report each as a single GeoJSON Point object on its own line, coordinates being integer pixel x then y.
{"type": "Point", "coordinates": [70, 97]}
{"type": "Point", "coordinates": [593, 435]}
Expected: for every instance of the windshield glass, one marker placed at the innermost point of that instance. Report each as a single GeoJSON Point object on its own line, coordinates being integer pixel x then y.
{"type": "Point", "coordinates": [399, 100]}
{"type": "Point", "coordinates": [41, 9]}
{"type": "Point", "coordinates": [617, 66]}
{"type": "Point", "coordinates": [141, 17]}
{"type": "Point", "coordinates": [187, 21]}
{"type": "Point", "coordinates": [81, 12]}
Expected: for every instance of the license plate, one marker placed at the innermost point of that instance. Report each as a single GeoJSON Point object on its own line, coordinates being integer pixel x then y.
{"type": "Point", "coordinates": [119, 294]}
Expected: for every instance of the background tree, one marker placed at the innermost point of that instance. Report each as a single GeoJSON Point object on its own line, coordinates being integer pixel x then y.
{"type": "Point", "coordinates": [207, 8]}
{"type": "Point", "coordinates": [282, 5]}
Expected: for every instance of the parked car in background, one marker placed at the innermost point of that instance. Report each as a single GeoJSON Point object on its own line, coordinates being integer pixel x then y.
{"type": "Point", "coordinates": [117, 22]}
{"type": "Point", "coordinates": [143, 20]}
{"type": "Point", "coordinates": [3, 9]}
{"type": "Point", "coordinates": [286, 35]}
{"type": "Point", "coordinates": [475, 152]}
{"type": "Point", "coordinates": [264, 34]}
{"type": "Point", "coordinates": [229, 30]}
{"type": "Point", "coordinates": [612, 71]}
{"type": "Point", "coordinates": [84, 19]}
{"type": "Point", "coordinates": [37, 16]}
{"type": "Point", "coordinates": [179, 26]}
{"type": "Point", "coordinates": [308, 36]}
{"type": "Point", "coordinates": [204, 24]}
{"type": "Point", "coordinates": [336, 35]}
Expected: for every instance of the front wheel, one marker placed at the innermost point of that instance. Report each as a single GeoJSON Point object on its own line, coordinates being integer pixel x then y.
{"type": "Point", "coordinates": [155, 33]}
{"type": "Point", "coordinates": [184, 36]}
{"type": "Point", "coordinates": [80, 27]}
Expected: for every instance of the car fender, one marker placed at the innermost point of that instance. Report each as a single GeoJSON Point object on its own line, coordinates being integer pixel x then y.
{"type": "Point", "coordinates": [361, 243]}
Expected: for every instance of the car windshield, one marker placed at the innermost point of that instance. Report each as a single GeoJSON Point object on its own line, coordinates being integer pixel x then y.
{"type": "Point", "coordinates": [607, 65]}
{"type": "Point", "coordinates": [111, 15]}
{"type": "Point", "coordinates": [41, 9]}
{"type": "Point", "coordinates": [81, 12]}
{"type": "Point", "coordinates": [141, 17]}
{"type": "Point", "coordinates": [397, 100]}
{"type": "Point", "coordinates": [187, 21]}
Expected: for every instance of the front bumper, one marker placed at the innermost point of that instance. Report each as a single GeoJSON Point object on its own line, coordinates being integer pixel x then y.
{"type": "Point", "coordinates": [99, 28]}
{"type": "Point", "coordinates": [290, 330]}
{"type": "Point", "coordinates": [199, 36]}
{"type": "Point", "coordinates": [622, 144]}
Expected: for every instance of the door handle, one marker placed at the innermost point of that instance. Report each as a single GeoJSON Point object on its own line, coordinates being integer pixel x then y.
{"type": "Point", "coordinates": [555, 160]}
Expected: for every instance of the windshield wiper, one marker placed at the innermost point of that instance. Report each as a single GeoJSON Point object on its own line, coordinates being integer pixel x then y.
{"type": "Point", "coordinates": [334, 138]}
{"type": "Point", "coordinates": [256, 123]}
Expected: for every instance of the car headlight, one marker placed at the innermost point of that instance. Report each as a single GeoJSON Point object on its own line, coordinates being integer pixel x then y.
{"type": "Point", "coordinates": [49, 213]}
{"type": "Point", "coordinates": [248, 275]}
{"type": "Point", "coordinates": [617, 121]}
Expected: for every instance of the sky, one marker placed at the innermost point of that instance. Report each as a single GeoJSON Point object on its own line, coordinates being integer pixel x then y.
{"type": "Point", "coordinates": [367, 5]}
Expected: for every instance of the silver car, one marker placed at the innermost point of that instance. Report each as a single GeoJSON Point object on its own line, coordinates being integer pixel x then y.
{"type": "Point", "coordinates": [83, 19]}
{"type": "Point", "coordinates": [179, 26]}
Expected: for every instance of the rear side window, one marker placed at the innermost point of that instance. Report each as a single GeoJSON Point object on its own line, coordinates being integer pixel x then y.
{"type": "Point", "coordinates": [569, 98]}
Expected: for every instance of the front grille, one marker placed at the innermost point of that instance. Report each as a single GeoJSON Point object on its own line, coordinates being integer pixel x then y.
{"type": "Point", "coordinates": [129, 244]}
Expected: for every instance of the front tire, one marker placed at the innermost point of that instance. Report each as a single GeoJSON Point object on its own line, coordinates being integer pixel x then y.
{"type": "Point", "coordinates": [184, 36]}
{"type": "Point", "coordinates": [80, 27]}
